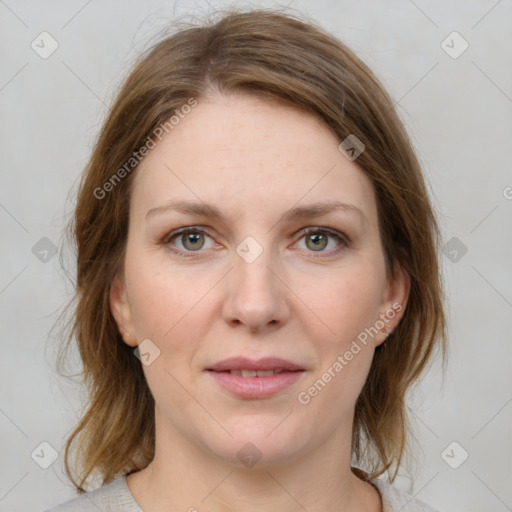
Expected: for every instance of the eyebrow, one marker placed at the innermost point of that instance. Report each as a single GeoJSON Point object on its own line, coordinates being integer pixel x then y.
{"type": "Point", "coordinates": [296, 213]}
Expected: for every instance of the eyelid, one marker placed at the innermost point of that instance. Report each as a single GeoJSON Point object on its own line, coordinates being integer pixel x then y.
{"type": "Point", "coordinates": [329, 231]}
{"type": "Point", "coordinates": [343, 240]}
{"type": "Point", "coordinates": [176, 233]}
{"type": "Point", "coordinates": [199, 229]}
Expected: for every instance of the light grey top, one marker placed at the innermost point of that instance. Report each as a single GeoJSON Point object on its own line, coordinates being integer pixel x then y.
{"type": "Point", "coordinates": [116, 497]}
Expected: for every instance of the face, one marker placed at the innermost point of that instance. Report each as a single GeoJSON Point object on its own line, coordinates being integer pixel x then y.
{"type": "Point", "coordinates": [251, 236]}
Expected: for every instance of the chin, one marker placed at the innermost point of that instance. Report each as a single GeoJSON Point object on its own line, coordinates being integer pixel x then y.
{"type": "Point", "coordinates": [257, 443]}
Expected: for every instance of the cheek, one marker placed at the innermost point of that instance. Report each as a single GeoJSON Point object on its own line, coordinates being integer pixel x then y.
{"type": "Point", "coordinates": [171, 306]}
{"type": "Point", "coordinates": [165, 304]}
{"type": "Point", "coordinates": [347, 301]}
{"type": "Point", "coordinates": [348, 306]}
{"type": "Point", "coordinates": [159, 295]}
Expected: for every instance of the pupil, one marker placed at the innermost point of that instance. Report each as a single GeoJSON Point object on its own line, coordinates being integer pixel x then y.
{"type": "Point", "coordinates": [192, 239]}
{"type": "Point", "coordinates": [318, 240]}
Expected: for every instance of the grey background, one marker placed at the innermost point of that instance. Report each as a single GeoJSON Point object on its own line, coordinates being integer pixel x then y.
{"type": "Point", "coordinates": [458, 111]}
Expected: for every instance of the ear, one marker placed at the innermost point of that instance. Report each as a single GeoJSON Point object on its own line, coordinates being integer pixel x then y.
{"type": "Point", "coordinates": [394, 301]}
{"type": "Point", "coordinates": [121, 311]}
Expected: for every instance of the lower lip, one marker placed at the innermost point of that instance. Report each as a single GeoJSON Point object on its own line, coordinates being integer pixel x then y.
{"type": "Point", "coordinates": [256, 387]}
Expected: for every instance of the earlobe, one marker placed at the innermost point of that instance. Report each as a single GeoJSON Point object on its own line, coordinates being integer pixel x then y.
{"type": "Point", "coordinates": [394, 302]}
{"type": "Point", "coordinates": [121, 312]}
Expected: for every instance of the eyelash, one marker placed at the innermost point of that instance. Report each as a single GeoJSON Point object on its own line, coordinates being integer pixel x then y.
{"type": "Point", "coordinates": [342, 239]}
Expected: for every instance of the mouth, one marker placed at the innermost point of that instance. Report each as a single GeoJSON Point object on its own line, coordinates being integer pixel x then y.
{"type": "Point", "coordinates": [255, 373]}
{"type": "Point", "coordinates": [251, 367]}
{"type": "Point", "coordinates": [251, 379]}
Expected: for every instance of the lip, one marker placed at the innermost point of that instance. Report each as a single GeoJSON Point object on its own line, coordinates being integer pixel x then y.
{"type": "Point", "coordinates": [243, 363]}
{"type": "Point", "coordinates": [255, 387]}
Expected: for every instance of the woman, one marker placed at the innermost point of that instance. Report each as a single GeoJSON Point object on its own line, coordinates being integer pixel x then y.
{"type": "Point", "coordinates": [257, 280]}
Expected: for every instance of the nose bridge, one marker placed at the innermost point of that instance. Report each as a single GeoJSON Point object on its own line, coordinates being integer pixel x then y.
{"type": "Point", "coordinates": [256, 297]}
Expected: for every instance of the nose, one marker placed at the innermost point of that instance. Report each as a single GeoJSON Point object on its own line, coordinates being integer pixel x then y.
{"type": "Point", "coordinates": [256, 296]}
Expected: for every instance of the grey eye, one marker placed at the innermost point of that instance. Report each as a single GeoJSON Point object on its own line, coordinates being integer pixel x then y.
{"type": "Point", "coordinates": [192, 240]}
{"type": "Point", "coordinates": [317, 241]}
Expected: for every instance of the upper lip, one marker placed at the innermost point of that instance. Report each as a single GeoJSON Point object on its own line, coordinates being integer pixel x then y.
{"type": "Point", "coordinates": [267, 363]}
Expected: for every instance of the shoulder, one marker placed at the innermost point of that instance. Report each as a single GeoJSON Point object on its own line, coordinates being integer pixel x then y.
{"type": "Point", "coordinates": [395, 500]}
{"type": "Point", "coordinates": [113, 497]}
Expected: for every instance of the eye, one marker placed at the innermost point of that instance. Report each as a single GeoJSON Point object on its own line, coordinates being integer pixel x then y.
{"type": "Point", "coordinates": [190, 239]}
{"type": "Point", "coordinates": [317, 239]}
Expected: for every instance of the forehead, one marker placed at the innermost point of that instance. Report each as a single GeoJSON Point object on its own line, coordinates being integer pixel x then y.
{"type": "Point", "coordinates": [250, 156]}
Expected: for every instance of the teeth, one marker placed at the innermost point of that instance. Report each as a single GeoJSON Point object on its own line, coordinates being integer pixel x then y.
{"type": "Point", "coordinates": [266, 373]}
{"type": "Point", "coordinates": [255, 373]}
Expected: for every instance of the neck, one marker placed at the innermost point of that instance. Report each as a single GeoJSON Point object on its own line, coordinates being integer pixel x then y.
{"type": "Point", "coordinates": [184, 477]}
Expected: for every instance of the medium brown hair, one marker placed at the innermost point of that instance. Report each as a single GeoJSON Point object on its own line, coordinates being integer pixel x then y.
{"type": "Point", "coordinates": [280, 58]}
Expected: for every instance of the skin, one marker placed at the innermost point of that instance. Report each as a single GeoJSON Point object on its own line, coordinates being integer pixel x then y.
{"type": "Point", "coordinates": [253, 160]}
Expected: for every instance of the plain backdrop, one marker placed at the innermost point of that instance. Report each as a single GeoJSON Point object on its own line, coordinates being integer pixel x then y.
{"type": "Point", "coordinates": [456, 103]}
